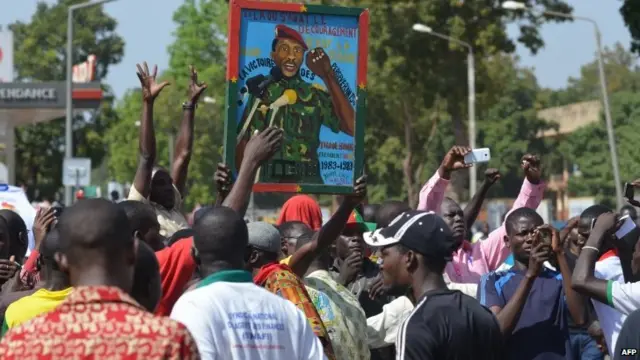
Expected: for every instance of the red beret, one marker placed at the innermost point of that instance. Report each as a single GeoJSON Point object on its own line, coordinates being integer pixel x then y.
{"type": "Point", "coordinates": [285, 32]}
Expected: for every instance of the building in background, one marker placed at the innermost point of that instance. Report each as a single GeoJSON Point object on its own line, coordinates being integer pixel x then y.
{"type": "Point", "coordinates": [24, 103]}
{"type": "Point", "coordinates": [569, 118]}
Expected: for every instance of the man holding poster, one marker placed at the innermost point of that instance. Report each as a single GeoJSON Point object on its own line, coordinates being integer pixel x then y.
{"type": "Point", "coordinates": [285, 100]}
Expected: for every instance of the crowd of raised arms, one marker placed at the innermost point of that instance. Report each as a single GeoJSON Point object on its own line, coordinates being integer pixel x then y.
{"type": "Point", "coordinates": [136, 280]}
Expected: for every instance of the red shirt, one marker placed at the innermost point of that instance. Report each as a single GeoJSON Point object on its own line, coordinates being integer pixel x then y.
{"type": "Point", "coordinates": [98, 322]}
{"type": "Point", "coordinates": [176, 269]}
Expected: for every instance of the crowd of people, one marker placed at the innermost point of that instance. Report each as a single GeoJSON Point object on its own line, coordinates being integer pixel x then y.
{"type": "Point", "coordinates": [134, 279]}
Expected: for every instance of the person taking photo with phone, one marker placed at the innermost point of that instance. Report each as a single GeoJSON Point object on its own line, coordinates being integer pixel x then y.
{"type": "Point", "coordinates": [471, 261]}
{"type": "Point", "coordinates": [532, 302]}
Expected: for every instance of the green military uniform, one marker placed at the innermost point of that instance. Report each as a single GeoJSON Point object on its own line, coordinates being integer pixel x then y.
{"type": "Point", "coordinates": [301, 123]}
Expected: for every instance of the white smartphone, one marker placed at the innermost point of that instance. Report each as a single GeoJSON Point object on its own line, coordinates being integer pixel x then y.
{"type": "Point", "coordinates": [627, 226]}
{"type": "Point", "coordinates": [482, 155]}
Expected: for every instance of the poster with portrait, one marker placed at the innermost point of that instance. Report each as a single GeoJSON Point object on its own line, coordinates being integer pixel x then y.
{"type": "Point", "coordinates": [301, 68]}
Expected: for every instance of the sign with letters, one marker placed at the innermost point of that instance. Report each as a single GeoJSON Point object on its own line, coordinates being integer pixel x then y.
{"type": "Point", "coordinates": [301, 68]}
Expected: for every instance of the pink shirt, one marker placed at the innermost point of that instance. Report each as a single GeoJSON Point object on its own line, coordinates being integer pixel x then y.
{"type": "Point", "coordinates": [471, 261]}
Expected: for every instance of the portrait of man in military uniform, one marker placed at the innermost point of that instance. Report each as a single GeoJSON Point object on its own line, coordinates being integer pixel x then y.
{"type": "Point", "coordinates": [298, 107]}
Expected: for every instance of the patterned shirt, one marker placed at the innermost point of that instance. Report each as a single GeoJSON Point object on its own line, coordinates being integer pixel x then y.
{"type": "Point", "coordinates": [284, 283]}
{"type": "Point", "coordinates": [361, 285]}
{"type": "Point", "coordinates": [98, 322]}
{"type": "Point", "coordinates": [341, 314]}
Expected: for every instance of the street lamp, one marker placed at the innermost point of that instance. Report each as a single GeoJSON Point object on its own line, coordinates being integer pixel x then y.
{"type": "Point", "coordinates": [471, 83]}
{"type": "Point", "coordinates": [68, 131]}
{"type": "Point", "coordinates": [514, 5]}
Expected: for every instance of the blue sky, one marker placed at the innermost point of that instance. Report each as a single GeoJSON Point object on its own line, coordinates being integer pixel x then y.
{"type": "Point", "coordinates": [568, 46]}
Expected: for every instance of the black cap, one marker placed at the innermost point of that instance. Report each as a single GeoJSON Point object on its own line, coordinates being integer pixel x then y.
{"type": "Point", "coordinates": [421, 231]}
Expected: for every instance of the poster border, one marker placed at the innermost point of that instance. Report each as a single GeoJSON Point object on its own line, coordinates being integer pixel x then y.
{"type": "Point", "coordinates": [233, 57]}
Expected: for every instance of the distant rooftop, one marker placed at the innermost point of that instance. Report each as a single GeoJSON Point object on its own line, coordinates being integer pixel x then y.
{"type": "Point", "coordinates": [571, 117]}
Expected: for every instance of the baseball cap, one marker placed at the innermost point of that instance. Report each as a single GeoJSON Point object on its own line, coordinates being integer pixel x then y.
{"type": "Point", "coordinates": [264, 236]}
{"type": "Point", "coordinates": [355, 219]}
{"type": "Point", "coordinates": [421, 231]}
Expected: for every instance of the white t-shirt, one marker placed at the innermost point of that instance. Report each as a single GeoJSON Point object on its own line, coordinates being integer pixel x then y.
{"type": "Point", "coordinates": [240, 320]}
{"type": "Point", "coordinates": [624, 297]}
{"type": "Point", "coordinates": [611, 320]}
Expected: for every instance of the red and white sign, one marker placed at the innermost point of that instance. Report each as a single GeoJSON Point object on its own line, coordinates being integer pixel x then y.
{"type": "Point", "coordinates": [6, 56]}
{"type": "Point", "coordinates": [85, 72]}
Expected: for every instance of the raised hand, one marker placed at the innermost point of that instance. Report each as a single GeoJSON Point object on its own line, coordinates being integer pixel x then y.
{"type": "Point", "coordinates": [262, 146]}
{"type": "Point", "coordinates": [607, 223]}
{"type": "Point", "coordinates": [454, 160]}
{"type": "Point", "coordinates": [350, 268]}
{"type": "Point", "coordinates": [634, 202]}
{"type": "Point", "coordinates": [222, 178]}
{"type": "Point", "coordinates": [539, 254]}
{"type": "Point", "coordinates": [195, 88]}
{"type": "Point", "coordinates": [150, 88]}
{"type": "Point", "coordinates": [318, 62]}
{"type": "Point", "coordinates": [532, 168]}
{"type": "Point", "coordinates": [41, 225]}
{"type": "Point", "coordinates": [359, 192]}
{"type": "Point", "coordinates": [557, 246]}
{"type": "Point", "coordinates": [8, 269]}
{"type": "Point", "coordinates": [492, 175]}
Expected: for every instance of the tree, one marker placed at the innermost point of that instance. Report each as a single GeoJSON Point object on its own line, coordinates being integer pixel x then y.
{"type": "Point", "coordinates": [200, 40]}
{"type": "Point", "coordinates": [590, 150]}
{"type": "Point", "coordinates": [418, 83]}
{"type": "Point", "coordinates": [40, 56]}
{"type": "Point", "coordinates": [511, 127]}
{"type": "Point", "coordinates": [622, 73]}
{"type": "Point", "coordinates": [630, 11]}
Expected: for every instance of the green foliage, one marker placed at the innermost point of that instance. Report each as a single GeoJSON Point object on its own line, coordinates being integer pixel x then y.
{"type": "Point", "coordinates": [630, 11]}
{"type": "Point", "coordinates": [40, 56]}
{"type": "Point", "coordinates": [622, 74]}
{"type": "Point", "coordinates": [199, 41]}
{"type": "Point", "coordinates": [420, 82]}
{"type": "Point", "coordinates": [511, 127]}
{"type": "Point", "coordinates": [417, 90]}
{"type": "Point", "coordinates": [591, 150]}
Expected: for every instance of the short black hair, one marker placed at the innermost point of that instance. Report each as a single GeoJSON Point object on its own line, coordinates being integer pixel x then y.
{"type": "Point", "coordinates": [592, 212]}
{"type": "Point", "coordinates": [292, 228]}
{"type": "Point", "coordinates": [146, 278]}
{"type": "Point", "coordinates": [95, 225]}
{"type": "Point", "coordinates": [16, 226]}
{"type": "Point", "coordinates": [180, 234]}
{"type": "Point", "coordinates": [141, 216]}
{"type": "Point", "coordinates": [115, 194]}
{"type": "Point", "coordinates": [369, 212]}
{"type": "Point", "coordinates": [48, 249]}
{"type": "Point", "coordinates": [388, 211]}
{"type": "Point", "coordinates": [220, 234]}
{"type": "Point", "coordinates": [523, 212]}
{"type": "Point", "coordinates": [200, 212]}
{"type": "Point", "coordinates": [305, 238]}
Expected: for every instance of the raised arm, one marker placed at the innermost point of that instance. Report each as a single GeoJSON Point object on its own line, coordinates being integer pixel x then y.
{"type": "Point", "coordinates": [583, 279]}
{"type": "Point", "coordinates": [432, 193]}
{"type": "Point", "coordinates": [509, 315]}
{"type": "Point", "coordinates": [472, 209]}
{"type": "Point", "coordinates": [575, 302]}
{"type": "Point", "coordinates": [147, 142]}
{"type": "Point", "coordinates": [330, 231]}
{"type": "Point", "coordinates": [259, 149]}
{"type": "Point", "coordinates": [222, 178]}
{"type": "Point", "coordinates": [184, 143]}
